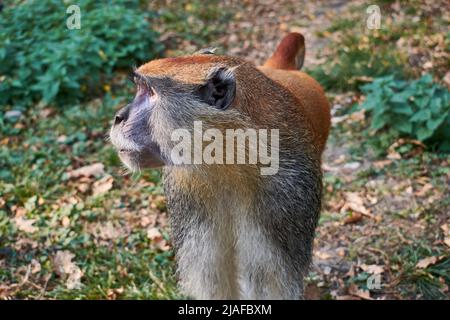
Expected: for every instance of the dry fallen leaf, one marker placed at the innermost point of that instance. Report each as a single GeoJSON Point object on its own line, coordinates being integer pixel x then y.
{"type": "Point", "coordinates": [61, 139]}
{"type": "Point", "coordinates": [96, 169]}
{"type": "Point", "coordinates": [114, 293]}
{"type": "Point", "coordinates": [35, 266]}
{"type": "Point", "coordinates": [422, 192]}
{"type": "Point", "coordinates": [107, 231]}
{"type": "Point", "coordinates": [347, 297]}
{"type": "Point", "coordinates": [83, 187]}
{"type": "Point", "coordinates": [47, 112]}
{"type": "Point", "coordinates": [394, 155]}
{"type": "Point", "coordinates": [154, 234]}
{"type": "Point", "coordinates": [67, 269]}
{"type": "Point", "coordinates": [353, 218]}
{"type": "Point", "coordinates": [73, 281]}
{"type": "Point", "coordinates": [372, 268]}
{"type": "Point", "coordinates": [322, 255]}
{"type": "Point", "coordinates": [63, 262]}
{"type": "Point", "coordinates": [158, 202]}
{"type": "Point", "coordinates": [355, 291]}
{"type": "Point", "coordinates": [355, 203]}
{"type": "Point", "coordinates": [447, 241]}
{"type": "Point", "coordinates": [65, 221]}
{"type": "Point", "coordinates": [382, 163]}
{"type": "Point", "coordinates": [358, 116]}
{"type": "Point", "coordinates": [351, 166]}
{"type": "Point", "coordinates": [103, 185]}
{"type": "Point", "coordinates": [25, 225]}
{"type": "Point", "coordinates": [329, 168]}
{"type": "Point", "coordinates": [424, 263]}
{"type": "Point", "coordinates": [19, 211]}
{"type": "Point", "coordinates": [25, 242]}
{"type": "Point", "coordinates": [341, 159]}
{"type": "Point", "coordinates": [157, 239]}
{"type": "Point", "coordinates": [339, 119]}
{"type": "Point", "coordinates": [148, 221]}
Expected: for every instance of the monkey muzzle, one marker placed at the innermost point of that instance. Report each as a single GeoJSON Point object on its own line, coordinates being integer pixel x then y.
{"type": "Point", "coordinates": [133, 140]}
{"type": "Point", "coordinates": [148, 158]}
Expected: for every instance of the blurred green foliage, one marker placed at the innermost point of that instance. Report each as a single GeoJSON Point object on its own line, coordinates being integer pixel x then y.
{"type": "Point", "coordinates": [355, 61]}
{"type": "Point", "coordinates": [41, 59]}
{"type": "Point", "coordinates": [360, 54]}
{"type": "Point", "coordinates": [33, 163]}
{"type": "Point", "coordinates": [418, 109]}
{"type": "Point", "coordinates": [195, 21]}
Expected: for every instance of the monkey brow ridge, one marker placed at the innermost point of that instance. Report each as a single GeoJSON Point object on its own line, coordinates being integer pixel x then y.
{"type": "Point", "coordinates": [138, 78]}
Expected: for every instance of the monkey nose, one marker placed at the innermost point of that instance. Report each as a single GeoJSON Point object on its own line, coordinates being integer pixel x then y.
{"type": "Point", "coordinates": [118, 119]}
{"type": "Point", "coordinates": [121, 115]}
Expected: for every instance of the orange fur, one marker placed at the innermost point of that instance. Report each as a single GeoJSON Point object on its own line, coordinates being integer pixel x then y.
{"type": "Point", "coordinates": [276, 84]}
{"type": "Point", "coordinates": [287, 53]}
{"type": "Point", "coordinates": [281, 67]}
{"type": "Point", "coordinates": [312, 101]}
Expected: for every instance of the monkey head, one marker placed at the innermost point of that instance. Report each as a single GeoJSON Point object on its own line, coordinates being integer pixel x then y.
{"type": "Point", "coordinates": [171, 94]}
{"type": "Point", "coordinates": [222, 93]}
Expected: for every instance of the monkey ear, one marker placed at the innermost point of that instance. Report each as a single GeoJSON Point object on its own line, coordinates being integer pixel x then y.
{"type": "Point", "coordinates": [220, 89]}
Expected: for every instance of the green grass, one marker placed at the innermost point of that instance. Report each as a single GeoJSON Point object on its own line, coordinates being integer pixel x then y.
{"type": "Point", "coordinates": [38, 149]}
{"type": "Point", "coordinates": [429, 282]}
{"type": "Point", "coordinates": [360, 54]}
{"type": "Point", "coordinates": [409, 232]}
{"type": "Point", "coordinates": [47, 141]}
{"type": "Point", "coordinates": [33, 166]}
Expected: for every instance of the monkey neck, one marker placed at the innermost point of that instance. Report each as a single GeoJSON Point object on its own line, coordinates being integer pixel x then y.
{"type": "Point", "coordinates": [212, 189]}
{"type": "Point", "coordinates": [227, 205]}
{"type": "Point", "coordinates": [229, 188]}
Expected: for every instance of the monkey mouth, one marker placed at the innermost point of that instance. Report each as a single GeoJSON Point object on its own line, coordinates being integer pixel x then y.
{"type": "Point", "coordinates": [136, 156]}
{"type": "Point", "coordinates": [141, 159]}
{"type": "Point", "coordinates": [126, 151]}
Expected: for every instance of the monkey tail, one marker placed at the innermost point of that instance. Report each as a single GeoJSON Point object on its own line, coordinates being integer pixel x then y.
{"type": "Point", "coordinates": [289, 54]}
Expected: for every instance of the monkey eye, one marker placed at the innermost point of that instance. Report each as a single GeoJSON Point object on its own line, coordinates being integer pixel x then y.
{"type": "Point", "coordinates": [142, 84]}
{"type": "Point", "coordinates": [145, 89]}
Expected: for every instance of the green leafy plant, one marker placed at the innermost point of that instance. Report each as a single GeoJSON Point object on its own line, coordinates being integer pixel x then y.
{"type": "Point", "coordinates": [430, 282]}
{"type": "Point", "coordinates": [355, 62]}
{"type": "Point", "coordinates": [359, 54]}
{"type": "Point", "coordinates": [42, 59]}
{"type": "Point", "coordinates": [418, 109]}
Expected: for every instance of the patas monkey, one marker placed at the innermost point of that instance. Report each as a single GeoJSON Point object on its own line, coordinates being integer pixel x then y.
{"type": "Point", "coordinates": [237, 234]}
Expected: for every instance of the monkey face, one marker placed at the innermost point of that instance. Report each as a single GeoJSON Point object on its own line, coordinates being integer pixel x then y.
{"type": "Point", "coordinates": [142, 130]}
{"type": "Point", "coordinates": [132, 135]}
